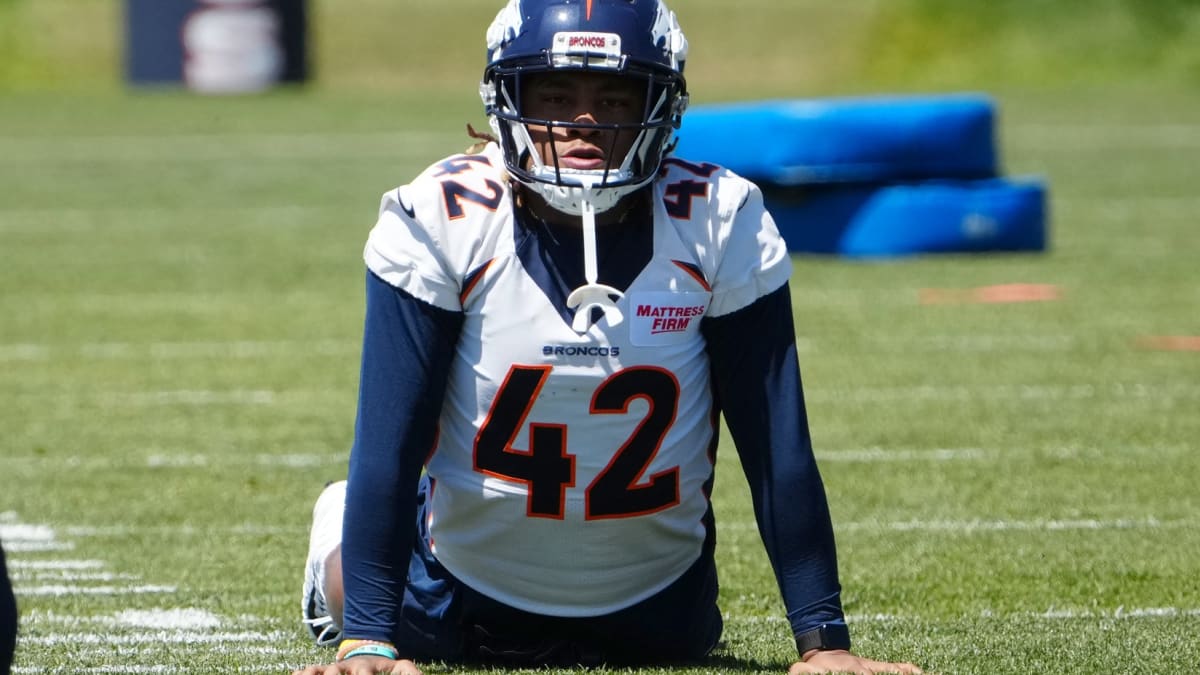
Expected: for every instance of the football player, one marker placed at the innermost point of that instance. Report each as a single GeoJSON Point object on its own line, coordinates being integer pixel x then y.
{"type": "Point", "coordinates": [554, 324]}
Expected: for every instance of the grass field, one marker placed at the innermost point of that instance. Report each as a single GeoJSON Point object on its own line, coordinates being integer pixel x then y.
{"type": "Point", "coordinates": [1014, 486]}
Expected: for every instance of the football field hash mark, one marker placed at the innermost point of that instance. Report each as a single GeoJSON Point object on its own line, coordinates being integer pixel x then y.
{"type": "Point", "coordinates": [148, 635]}
{"type": "Point", "coordinates": [61, 578]}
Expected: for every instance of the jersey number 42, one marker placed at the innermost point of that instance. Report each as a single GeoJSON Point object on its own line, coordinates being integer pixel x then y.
{"type": "Point", "coordinates": [620, 490]}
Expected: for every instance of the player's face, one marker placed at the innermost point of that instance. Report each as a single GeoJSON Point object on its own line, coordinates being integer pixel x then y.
{"type": "Point", "coordinates": [586, 98]}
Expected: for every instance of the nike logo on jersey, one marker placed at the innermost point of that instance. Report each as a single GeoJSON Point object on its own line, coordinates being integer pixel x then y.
{"type": "Point", "coordinates": [404, 206]}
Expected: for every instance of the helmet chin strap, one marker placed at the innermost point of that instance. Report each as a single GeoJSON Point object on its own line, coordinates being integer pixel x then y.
{"type": "Point", "coordinates": [592, 295]}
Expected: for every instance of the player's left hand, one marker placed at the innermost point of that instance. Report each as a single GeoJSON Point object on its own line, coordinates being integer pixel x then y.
{"type": "Point", "coordinates": [363, 665]}
{"type": "Point", "coordinates": [842, 661]}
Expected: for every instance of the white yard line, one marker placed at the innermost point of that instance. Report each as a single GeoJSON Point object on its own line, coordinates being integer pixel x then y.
{"type": "Point", "coordinates": [160, 669]}
{"type": "Point", "coordinates": [1050, 614]}
{"type": "Point", "coordinates": [290, 461]}
{"type": "Point", "coordinates": [38, 546]}
{"type": "Point", "coordinates": [176, 619]}
{"type": "Point", "coordinates": [177, 149]}
{"type": "Point", "coordinates": [133, 305]}
{"type": "Point", "coordinates": [1001, 525]}
{"type": "Point", "coordinates": [152, 636]}
{"type": "Point", "coordinates": [239, 349]}
{"type": "Point", "coordinates": [43, 576]}
{"type": "Point", "coordinates": [157, 630]}
{"type": "Point", "coordinates": [174, 397]}
{"type": "Point", "coordinates": [189, 397]}
{"type": "Point", "coordinates": [107, 670]}
{"type": "Point", "coordinates": [19, 537]}
{"type": "Point", "coordinates": [1009, 392]}
{"type": "Point", "coordinates": [243, 529]}
{"type": "Point", "coordinates": [1120, 612]}
{"type": "Point", "coordinates": [30, 575]}
{"type": "Point", "coordinates": [24, 532]}
{"type": "Point", "coordinates": [186, 460]}
{"type": "Point", "coordinates": [61, 590]}
{"type": "Point", "coordinates": [873, 455]}
{"type": "Point", "coordinates": [55, 218]}
{"type": "Point", "coordinates": [977, 526]}
{"type": "Point", "coordinates": [24, 352]}
{"type": "Point", "coordinates": [19, 564]}
{"type": "Point", "coordinates": [167, 351]}
{"type": "Point", "coordinates": [179, 618]}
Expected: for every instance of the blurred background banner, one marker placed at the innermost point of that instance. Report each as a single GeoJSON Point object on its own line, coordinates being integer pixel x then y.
{"type": "Point", "coordinates": [216, 46]}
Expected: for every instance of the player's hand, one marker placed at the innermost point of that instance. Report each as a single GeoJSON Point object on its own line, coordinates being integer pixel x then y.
{"type": "Point", "coordinates": [842, 661]}
{"type": "Point", "coordinates": [363, 665]}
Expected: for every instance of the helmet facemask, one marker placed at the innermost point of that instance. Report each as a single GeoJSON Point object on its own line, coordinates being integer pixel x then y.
{"type": "Point", "coordinates": [563, 187]}
{"type": "Point", "coordinates": [636, 39]}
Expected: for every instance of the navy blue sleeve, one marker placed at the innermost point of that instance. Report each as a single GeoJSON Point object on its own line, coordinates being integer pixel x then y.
{"type": "Point", "coordinates": [756, 376]}
{"type": "Point", "coordinates": [408, 345]}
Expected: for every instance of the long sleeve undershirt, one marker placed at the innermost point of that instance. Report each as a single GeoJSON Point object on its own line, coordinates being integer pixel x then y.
{"type": "Point", "coordinates": [759, 392]}
{"type": "Point", "coordinates": [407, 348]}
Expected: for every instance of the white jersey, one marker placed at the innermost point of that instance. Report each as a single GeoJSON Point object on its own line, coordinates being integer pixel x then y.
{"type": "Point", "coordinates": [570, 468]}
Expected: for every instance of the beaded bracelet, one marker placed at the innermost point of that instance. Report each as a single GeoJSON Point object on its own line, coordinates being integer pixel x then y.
{"type": "Point", "coordinates": [351, 648]}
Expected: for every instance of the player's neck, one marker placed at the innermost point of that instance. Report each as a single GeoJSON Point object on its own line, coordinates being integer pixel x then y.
{"type": "Point", "coordinates": [619, 213]}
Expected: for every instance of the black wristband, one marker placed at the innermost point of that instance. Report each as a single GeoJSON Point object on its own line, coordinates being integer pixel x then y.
{"type": "Point", "coordinates": [825, 637]}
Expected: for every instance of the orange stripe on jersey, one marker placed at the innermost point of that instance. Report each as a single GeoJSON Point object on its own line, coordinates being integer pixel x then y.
{"type": "Point", "coordinates": [694, 272]}
{"type": "Point", "coordinates": [589, 10]}
{"type": "Point", "coordinates": [473, 279]}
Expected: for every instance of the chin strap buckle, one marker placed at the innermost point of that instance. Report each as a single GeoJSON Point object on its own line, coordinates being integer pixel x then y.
{"type": "Point", "coordinates": [592, 295]}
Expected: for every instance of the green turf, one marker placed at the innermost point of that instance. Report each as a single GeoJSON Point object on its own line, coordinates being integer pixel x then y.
{"type": "Point", "coordinates": [1013, 485]}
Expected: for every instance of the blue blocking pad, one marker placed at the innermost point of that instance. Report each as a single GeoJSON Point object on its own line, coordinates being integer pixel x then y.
{"type": "Point", "coordinates": [858, 140]}
{"type": "Point", "coordinates": [904, 219]}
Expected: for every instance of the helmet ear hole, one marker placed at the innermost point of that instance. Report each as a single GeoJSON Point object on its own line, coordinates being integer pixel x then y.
{"type": "Point", "coordinates": [638, 39]}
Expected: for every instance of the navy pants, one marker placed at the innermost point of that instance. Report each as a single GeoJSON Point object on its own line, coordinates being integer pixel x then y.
{"type": "Point", "coordinates": [444, 619]}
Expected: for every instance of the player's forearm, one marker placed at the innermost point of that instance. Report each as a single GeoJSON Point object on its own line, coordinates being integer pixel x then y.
{"type": "Point", "coordinates": [762, 399]}
{"type": "Point", "coordinates": [407, 347]}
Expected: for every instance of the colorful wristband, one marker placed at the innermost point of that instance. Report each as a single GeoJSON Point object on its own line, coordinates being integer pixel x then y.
{"type": "Point", "coordinates": [372, 650]}
{"type": "Point", "coordinates": [352, 648]}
